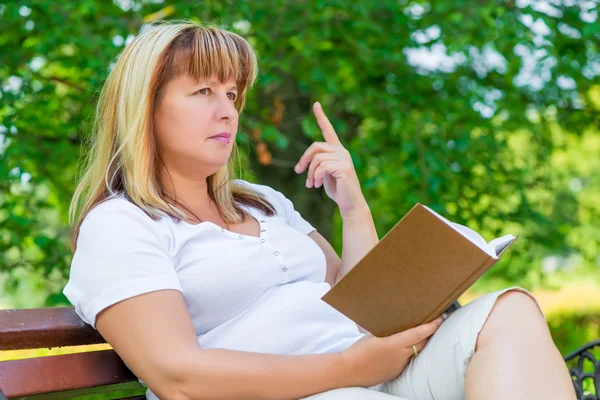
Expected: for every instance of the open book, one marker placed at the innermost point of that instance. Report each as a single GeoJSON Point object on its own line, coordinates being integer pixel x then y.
{"type": "Point", "coordinates": [415, 272]}
{"type": "Point", "coordinates": [494, 248]}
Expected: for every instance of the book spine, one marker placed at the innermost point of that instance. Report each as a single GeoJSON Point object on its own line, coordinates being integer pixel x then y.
{"type": "Point", "coordinates": [468, 282]}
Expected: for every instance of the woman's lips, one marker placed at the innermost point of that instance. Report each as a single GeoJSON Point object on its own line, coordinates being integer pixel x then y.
{"type": "Point", "coordinates": [221, 139]}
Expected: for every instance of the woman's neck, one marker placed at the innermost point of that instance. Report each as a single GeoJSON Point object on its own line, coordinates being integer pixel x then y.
{"type": "Point", "coordinates": [192, 193]}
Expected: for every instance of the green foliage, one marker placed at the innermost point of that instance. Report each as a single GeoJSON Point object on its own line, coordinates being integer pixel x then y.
{"type": "Point", "coordinates": [572, 330]}
{"type": "Point", "coordinates": [475, 135]}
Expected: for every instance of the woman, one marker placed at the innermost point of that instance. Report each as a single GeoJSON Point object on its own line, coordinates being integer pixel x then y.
{"type": "Point", "coordinates": [210, 287]}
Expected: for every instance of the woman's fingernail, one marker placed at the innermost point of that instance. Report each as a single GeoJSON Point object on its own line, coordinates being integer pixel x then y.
{"type": "Point", "coordinates": [439, 321]}
{"type": "Point", "coordinates": [296, 167]}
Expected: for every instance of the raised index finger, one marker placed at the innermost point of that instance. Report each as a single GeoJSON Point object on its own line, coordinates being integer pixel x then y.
{"type": "Point", "coordinates": [326, 127]}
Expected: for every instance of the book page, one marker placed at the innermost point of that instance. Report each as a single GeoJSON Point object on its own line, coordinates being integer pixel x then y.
{"type": "Point", "coordinates": [474, 237]}
{"type": "Point", "coordinates": [501, 243]}
{"type": "Point", "coordinates": [493, 248]}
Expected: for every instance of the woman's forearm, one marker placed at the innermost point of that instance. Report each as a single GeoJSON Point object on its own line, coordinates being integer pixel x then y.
{"type": "Point", "coordinates": [228, 374]}
{"type": "Point", "coordinates": [359, 237]}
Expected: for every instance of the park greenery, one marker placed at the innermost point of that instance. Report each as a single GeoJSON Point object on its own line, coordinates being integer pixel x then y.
{"type": "Point", "coordinates": [488, 112]}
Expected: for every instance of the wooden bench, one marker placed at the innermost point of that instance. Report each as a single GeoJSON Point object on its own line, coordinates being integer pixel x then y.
{"type": "Point", "coordinates": [60, 376]}
{"type": "Point", "coordinates": [103, 372]}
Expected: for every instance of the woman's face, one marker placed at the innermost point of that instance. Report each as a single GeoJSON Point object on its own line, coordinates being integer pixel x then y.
{"type": "Point", "coordinates": [188, 120]}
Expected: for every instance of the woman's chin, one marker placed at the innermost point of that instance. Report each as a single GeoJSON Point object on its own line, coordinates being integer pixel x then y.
{"type": "Point", "coordinates": [215, 163]}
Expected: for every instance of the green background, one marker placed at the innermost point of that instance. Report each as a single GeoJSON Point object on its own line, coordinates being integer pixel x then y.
{"type": "Point", "coordinates": [488, 112]}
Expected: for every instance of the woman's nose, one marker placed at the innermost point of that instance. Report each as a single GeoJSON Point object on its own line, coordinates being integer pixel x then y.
{"type": "Point", "coordinates": [226, 109]}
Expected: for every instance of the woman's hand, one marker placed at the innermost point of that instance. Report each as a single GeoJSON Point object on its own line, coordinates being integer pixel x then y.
{"type": "Point", "coordinates": [330, 164]}
{"type": "Point", "coordinates": [373, 360]}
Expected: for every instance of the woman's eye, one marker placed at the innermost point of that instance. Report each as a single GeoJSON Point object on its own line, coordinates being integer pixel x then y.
{"type": "Point", "coordinates": [205, 91]}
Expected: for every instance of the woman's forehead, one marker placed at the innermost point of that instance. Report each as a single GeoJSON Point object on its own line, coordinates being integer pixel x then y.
{"type": "Point", "coordinates": [187, 81]}
{"type": "Point", "coordinates": [213, 80]}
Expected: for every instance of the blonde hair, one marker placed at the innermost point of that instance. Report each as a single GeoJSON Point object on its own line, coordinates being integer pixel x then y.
{"type": "Point", "coordinates": [123, 156]}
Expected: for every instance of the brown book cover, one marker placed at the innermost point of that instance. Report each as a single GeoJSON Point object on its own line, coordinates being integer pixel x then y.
{"type": "Point", "coordinates": [415, 272]}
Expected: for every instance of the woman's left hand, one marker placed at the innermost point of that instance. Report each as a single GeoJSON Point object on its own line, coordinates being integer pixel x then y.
{"type": "Point", "coordinates": [330, 164]}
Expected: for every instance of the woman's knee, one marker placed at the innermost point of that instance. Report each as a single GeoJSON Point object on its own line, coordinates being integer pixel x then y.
{"type": "Point", "coordinates": [514, 312]}
{"type": "Point", "coordinates": [515, 303]}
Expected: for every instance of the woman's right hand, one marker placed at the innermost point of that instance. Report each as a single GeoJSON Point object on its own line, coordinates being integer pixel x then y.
{"type": "Point", "coordinates": [373, 360]}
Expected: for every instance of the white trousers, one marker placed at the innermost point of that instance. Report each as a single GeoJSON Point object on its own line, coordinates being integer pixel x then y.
{"type": "Point", "coordinates": [438, 372]}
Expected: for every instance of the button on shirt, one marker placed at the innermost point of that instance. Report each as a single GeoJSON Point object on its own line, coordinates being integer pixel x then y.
{"type": "Point", "coordinates": [259, 294]}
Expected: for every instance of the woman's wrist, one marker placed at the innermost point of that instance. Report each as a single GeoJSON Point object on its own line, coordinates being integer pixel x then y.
{"type": "Point", "coordinates": [343, 374]}
{"type": "Point", "coordinates": [360, 212]}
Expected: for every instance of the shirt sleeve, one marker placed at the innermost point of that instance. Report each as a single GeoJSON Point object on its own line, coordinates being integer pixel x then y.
{"type": "Point", "coordinates": [119, 255]}
{"type": "Point", "coordinates": [283, 205]}
{"type": "Point", "coordinates": [292, 216]}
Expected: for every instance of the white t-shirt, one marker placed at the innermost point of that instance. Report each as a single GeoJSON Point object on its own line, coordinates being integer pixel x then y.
{"type": "Point", "coordinates": [259, 294]}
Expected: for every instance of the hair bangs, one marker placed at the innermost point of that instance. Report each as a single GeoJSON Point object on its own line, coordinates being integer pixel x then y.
{"type": "Point", "coordinates": [201, 52]}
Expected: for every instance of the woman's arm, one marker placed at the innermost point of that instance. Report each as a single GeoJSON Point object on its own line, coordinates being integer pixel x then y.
{"type": "Point", "coordinates": [330, 165]}
{"type": "Point", "coordinates": [359, 236]}
{"type": "Point", "coordinates": [355, 230]}
{"type": "Point", "coordinates": [331, 257]}
{"type": "Point", "coordinates": [154, 335]}
{"type": "Point", "coordinates": [227, 374]}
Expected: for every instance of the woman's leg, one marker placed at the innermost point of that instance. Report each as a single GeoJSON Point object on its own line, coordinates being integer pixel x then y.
{"type": "Point", "coordinates": [353, 393]}
{"type": "Point", "coordinates": [439, 371]}
{"type": "Point", "coordinates": [515, 357]}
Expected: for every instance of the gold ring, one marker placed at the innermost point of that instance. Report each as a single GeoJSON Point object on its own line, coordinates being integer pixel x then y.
{"type": "Point", "coordinates": [415, 350]}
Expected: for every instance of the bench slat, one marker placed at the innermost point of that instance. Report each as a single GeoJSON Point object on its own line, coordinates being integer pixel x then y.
{"type": "Point", "coordinates": [135, 392]}
{"type": "Point", "coordinates": [34, 376]}
{"type": "Point", "coordinates": [44, 328]}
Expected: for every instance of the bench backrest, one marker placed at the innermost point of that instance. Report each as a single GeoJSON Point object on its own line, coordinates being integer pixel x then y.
{"type": "Point", "coordinates": [59, 376]}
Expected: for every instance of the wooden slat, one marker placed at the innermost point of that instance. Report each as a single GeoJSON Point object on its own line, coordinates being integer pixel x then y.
{"type": "Point", "coordinates": [135, 392]}
{"type": "Point", "coordinates": [34, 376]}
{"type": "Point", "coordinates": [44, 328]}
